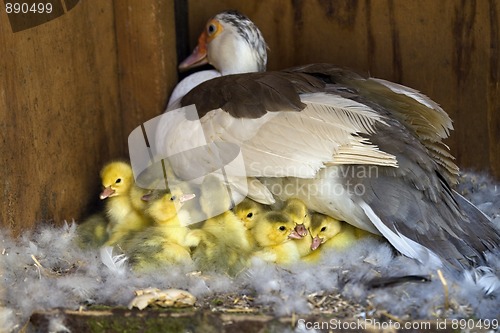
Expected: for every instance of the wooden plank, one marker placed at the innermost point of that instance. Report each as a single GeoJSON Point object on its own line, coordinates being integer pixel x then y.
{"type": "Point", "coordinates": [58, 114]}
{"type": "Point", "coordinates": [147, 58]}
{"type": "Point", "coordinates": [494, 87]}
{"type": "Point", "coordinates": [446, 49]}
{"type": "Point", "coordinates": [181, 29]}
{"type": "Point", "coordinates": [205, 320]}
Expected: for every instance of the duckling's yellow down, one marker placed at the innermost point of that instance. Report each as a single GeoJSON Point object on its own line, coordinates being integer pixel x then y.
{"type": "Point", "coordinates": [168, 241]}
{"type": "Point", "coordinates": [330, 233]}
{"type": "Point", "coordinates": [248, 211]}
{"type": "Point", "coordinates": [272, 233]}
{"type": "Point", "coordinates": [223, 244]}
{"type": "Point", "coordinates": [300, 215]}
{"type": "Point", "coordinates": [122, 210]}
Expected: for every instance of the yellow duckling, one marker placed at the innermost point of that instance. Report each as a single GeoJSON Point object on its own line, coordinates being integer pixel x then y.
{"type": "Point", "coordinates": [330, 233]}
{"type": "Point", "coordinates": [248, 212]}
{"type": "Point", "coordinates": [192, 206]}
{"type": "Point", "coordinates": [273, 233]}
{"type": "Point", "coordinates": [122, 207]}
{"type": "Point", "coordinates": [92, 232]}
{"type": "Point", "coordinates": [223, 243]}
{"type": "Point", "coordinates": [168, 241]}
{"type": "Point", "coordinates": [298, 212]}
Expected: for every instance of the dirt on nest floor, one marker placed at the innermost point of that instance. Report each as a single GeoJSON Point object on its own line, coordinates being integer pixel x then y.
{"type": "Point", "coordinates": [234, 312]}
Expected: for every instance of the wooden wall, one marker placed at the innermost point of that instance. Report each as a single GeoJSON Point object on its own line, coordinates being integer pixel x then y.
{"type": "Point", "coordinates": [147, 58]}
{"type": "Point", "coordinates": [73, 88]}
{"type": "Point", "coordinates": [58, 112]}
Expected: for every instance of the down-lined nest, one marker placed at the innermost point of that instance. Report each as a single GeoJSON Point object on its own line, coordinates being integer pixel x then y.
{"type": "Point", "coordinates": [44, 269]}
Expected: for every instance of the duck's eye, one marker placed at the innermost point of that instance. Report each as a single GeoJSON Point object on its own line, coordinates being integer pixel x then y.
{"type": "Point", "coordinates": [172, 198]}
{"type": "Point", "coordinates": [323, 229]}
{"type": "Point", "coordinates": [119, 180]}
{"type": "Point", "coordinates": [282, 228]}
{"type": "Point", "coordinates": [249, 215]}
{"type": "Point", "coordinates": [211, 29]}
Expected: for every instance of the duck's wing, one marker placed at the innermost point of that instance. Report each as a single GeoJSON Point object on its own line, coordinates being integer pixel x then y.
{"type": "Point", "coordinates": [188, 83]}
{"type": "Point", "coordinates": [253, 95]}
{"type": "Point", "coordinates": [285, 124]}
{"type": "Point", "coordinates": [420, 115]}
{"type": "Point", "coordinates": [295, 124]}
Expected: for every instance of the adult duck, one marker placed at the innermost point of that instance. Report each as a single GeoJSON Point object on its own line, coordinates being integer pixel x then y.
{"type": "Point", "coordinates": [361, 150]}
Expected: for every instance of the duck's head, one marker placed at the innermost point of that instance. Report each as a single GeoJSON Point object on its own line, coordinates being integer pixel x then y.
{"type": "Point", "coordinates": [231, 43]}
{"type": "Point", "coordinates": [248, 211]}
{"type": "Point", "coordinates": [298, 212]}
{"type": "Point", "coordinates": [323, 228]}
{"type": "Point", "coordinates": [165, 205]}
{"type": "Point", "coordinates": [274, 228]}
{"type": "Point", "coordinates": [117, 178]}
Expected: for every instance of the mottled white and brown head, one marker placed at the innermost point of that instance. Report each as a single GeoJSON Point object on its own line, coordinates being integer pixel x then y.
{"type": "Point", "coordinates": [231, 43]}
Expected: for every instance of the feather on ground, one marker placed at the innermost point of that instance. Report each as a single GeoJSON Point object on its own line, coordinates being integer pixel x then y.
{"type": "Point", "coordinates": [44, 269]}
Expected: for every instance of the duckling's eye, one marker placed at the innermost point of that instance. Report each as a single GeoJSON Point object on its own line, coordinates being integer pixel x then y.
{"type": "Point", "coordinates": [249, 215]}
{"type": "Point", "coordinates": [211, 29]}
{"type": "Point", "coordinates": [119, 180]}
{"type": "Point", "coordinates": [323, 229]}
{"type": "Point", "coordinates": [173, 198]}
{"type": "Point", "coordinates": [282, 228]}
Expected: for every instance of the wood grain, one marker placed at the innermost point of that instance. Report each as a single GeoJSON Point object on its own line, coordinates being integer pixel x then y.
{"type": "Point", "coordinates": [71, 90]}
{"type": "Point", "coordinates": [58, 114]}
{"type": "Point", "coordinates": [145, 36]}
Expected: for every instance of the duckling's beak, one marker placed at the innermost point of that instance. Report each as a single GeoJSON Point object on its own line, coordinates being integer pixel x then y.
{"type": "Point", "coordinates": [301, 229]}
{"type": "Point", "coordinates": [106, 193]}
{"type": "Point", "coordinates": [199, 55]}
{"type": "Point", "coordinates": [146, 197]}
{"type": "Point", "coordinates": [317, 241]}
{"type": "Point", "coordinates": [186, 197]}
{"type": "Point", "coordinates": [294, 235]}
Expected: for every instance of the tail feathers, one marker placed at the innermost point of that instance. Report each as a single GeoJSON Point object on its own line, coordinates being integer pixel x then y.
{"type": "Point", "coordinates": [403, 244]}
{"type": "Point", "coordinates": [484, 236]}
{"type": "Point", "coordinates": [474, 235]}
